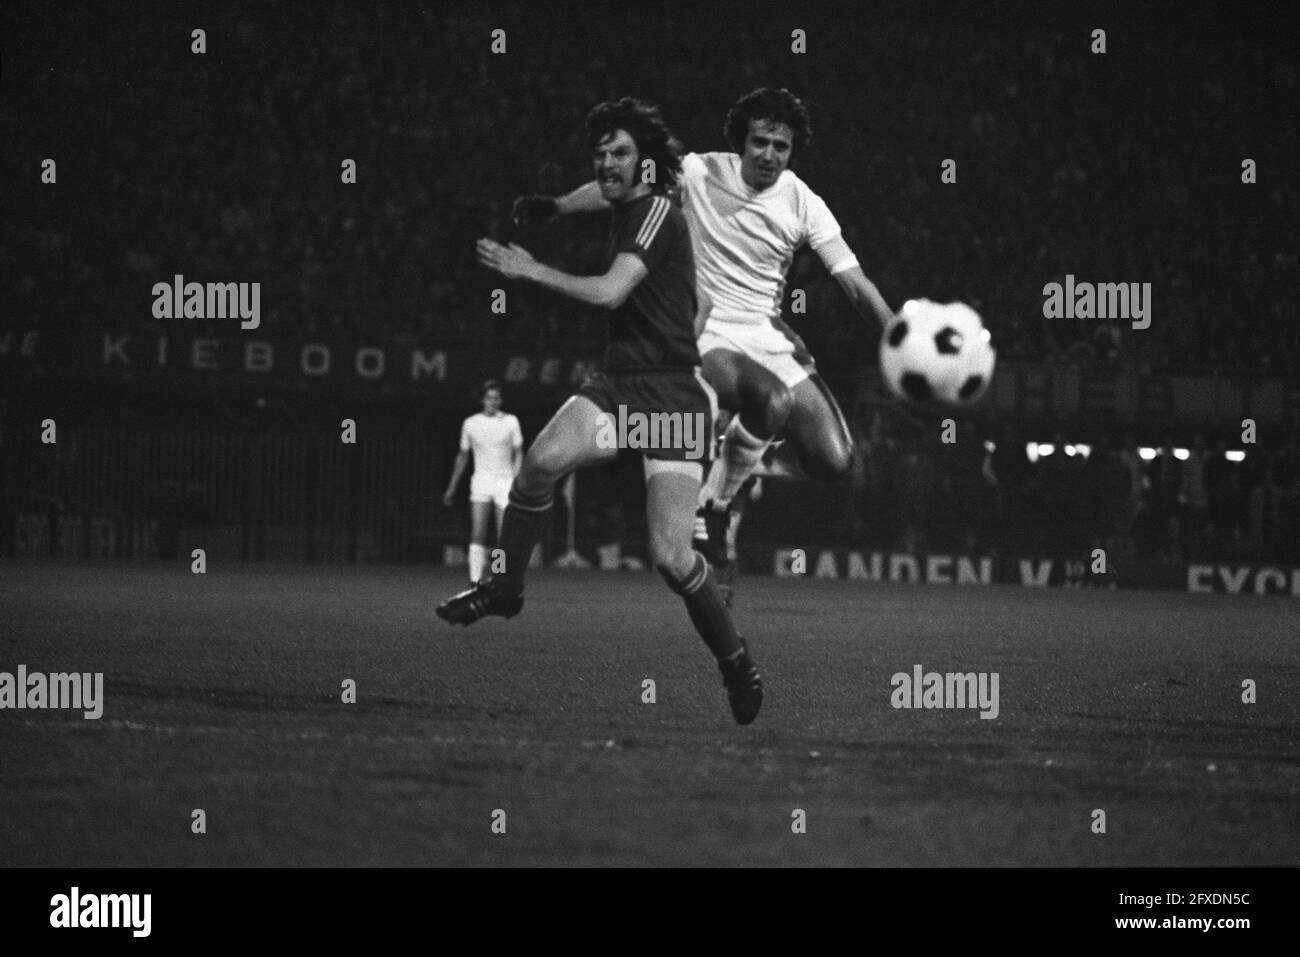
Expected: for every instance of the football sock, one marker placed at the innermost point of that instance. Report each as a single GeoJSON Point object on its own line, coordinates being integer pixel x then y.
{"type": "Point", "coordinates": [738, 506]}
{"type": "Point", "coordinates": [477, 560]}
{"type": "Point", "coordinates": [711, 482]}
{"type": "Point", "coordinates": [780, 461]}
{"type": "Point", "coordinates": [741, 454]}
{"type": "Point", "coordinates": [699, 590]}
{"type": "Point", "coordinates": [521, 528]}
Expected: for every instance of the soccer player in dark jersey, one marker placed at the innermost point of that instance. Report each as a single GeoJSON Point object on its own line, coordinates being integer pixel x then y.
{"type": "Point", "coordinates": [748, 213]}
{"type": "Point", "coordinates": [651, 369]}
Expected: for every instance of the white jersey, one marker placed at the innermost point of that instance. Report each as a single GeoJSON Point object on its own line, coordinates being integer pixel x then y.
{"type": "Point", "coordinates": [492, 438]}
{"type": "Point", "coordinates": [745, 240]}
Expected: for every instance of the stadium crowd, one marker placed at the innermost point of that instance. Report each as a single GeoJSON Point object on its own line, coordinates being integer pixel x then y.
{"type": "Point", "coordinates": [1068, 162]}
{"type": "Point", "coordinates": [1061, 169]}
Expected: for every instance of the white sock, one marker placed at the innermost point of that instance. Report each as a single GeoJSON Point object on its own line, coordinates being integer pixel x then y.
{"type": "Point", "coordinates": [477, 559]}
{"type": "Point", "coordinates": [741, 454]}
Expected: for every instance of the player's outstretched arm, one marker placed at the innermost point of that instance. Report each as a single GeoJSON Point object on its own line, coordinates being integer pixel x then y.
{"type": "Point", "coordinates": [534, 209]}
{"type": "Point", "coordinates": [587, 198]}
{"type": "Point", "coordinates": [608, 291]}
{"type": "Point", "coordinates": [864, 295]}
{"type": "Point", "coordinates": [828, 242]}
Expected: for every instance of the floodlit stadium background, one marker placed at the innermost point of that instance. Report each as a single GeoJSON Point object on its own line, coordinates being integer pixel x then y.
{"type": "Point", "coordinates": [226, 167]}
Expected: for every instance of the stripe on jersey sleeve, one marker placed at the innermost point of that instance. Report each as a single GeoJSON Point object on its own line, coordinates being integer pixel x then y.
{"type": "Point", "coordinates": [653, 220]}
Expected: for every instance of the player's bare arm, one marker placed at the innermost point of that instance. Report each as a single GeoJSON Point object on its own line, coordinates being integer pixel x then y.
{"type": "Point", "coordinates": [457, 473]}
{"type": "Point", "coordinates": [536, 208]}
{"type": "Point", "coordinates": [608, 291]}
{"type": "Point", "coordinates": [864, 295]}
{"type": "Point", "coordinates": [586, 198]}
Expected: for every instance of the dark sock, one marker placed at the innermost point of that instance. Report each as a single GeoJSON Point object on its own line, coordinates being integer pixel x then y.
{"type": "Point", "coordinates": [521, 528]}
{"type": "Point", "coordinates": [704, 604]}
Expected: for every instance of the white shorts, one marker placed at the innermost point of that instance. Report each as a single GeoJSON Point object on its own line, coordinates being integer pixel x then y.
{"type": "Point", "coordinates": [762, 342]}
{"type": "Point", "coordinates": [490, 488]}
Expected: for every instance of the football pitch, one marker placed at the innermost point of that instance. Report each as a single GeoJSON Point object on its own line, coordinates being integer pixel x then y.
{"type": "Point", "coordinates": [224, 692]}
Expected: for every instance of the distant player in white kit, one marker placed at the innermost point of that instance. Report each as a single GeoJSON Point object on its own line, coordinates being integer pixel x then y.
{"type": "Point", "coordinates": [497, 444]}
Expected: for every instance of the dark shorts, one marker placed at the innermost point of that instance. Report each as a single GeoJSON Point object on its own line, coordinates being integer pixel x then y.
{"type": "Point", "coordinates": [662, 414]}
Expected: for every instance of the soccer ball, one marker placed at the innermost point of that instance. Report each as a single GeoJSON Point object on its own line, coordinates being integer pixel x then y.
{"type": "Point", "coordinates": [937, 352]}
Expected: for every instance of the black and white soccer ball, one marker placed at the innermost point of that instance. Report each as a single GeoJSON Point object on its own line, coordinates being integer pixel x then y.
{"type": "Point", "coordinates": [937, 352]}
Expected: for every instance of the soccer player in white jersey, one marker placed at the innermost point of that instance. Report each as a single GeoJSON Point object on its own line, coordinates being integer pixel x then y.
{"type": "Point", "coordinates": [748, 214]}
{"type": "Point", "coordinates": [494, 439]}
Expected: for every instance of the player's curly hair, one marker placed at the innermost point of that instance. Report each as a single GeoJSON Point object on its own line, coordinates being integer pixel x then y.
{"type": "Point", "coordinates": [643, 122]}
{"type": "Point", "coordinates": [775, 106]}
{"type": "Point", "coordinates": [487, 386]}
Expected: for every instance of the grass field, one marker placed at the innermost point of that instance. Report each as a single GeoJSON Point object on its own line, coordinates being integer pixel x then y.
{"type": "Point", "coordinates": [223, 692]}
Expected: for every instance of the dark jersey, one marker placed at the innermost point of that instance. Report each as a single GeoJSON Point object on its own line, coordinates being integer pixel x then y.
{"type": "Point", "coordinates": [654, 328]}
